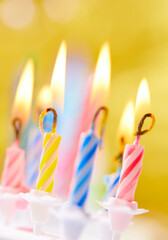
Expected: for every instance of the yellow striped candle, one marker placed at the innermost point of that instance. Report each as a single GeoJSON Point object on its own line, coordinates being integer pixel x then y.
{"type": "Point", "coordinates": [49, 157]}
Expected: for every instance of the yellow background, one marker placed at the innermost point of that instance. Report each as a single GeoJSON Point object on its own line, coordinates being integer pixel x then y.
{"type": "Point", "coordinates": [138, 35]}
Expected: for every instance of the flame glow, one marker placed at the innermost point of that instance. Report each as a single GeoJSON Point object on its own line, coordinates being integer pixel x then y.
{"type": "Point", "coordinates": [44, 98]}
{"type": "Point", "coordinates": [142, 100]}
{"type": "Point", "coordinates": [126, 127]}
{"type": "Point", "coordinates": [143, 95]}
{"type": "Point", "coordinates": [23, 97]}
{"type": "Point", "coordinates": [58, 78]}
{"type": "Point", "coordinates": [102, 76]}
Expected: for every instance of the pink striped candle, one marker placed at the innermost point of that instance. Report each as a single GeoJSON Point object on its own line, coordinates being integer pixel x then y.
{"type": "Point", "coordinates": [132, 165]}
{"type": "Point", "coordinates": [14, 167]}
{"type": "Point", "coordinates": [131, 169]}
{"type": "Point", "coordinates": [13, 172]}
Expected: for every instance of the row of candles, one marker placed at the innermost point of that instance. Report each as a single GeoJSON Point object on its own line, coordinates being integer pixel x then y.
{"type": "Point", "coordinates": [124, 183]}
{"type": "Point", "coordinates": [53, 95]}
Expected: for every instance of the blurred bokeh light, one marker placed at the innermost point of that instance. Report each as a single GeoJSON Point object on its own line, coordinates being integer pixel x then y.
{"type": "Point", "coordinates": [61, 10]}
{"type": "Point", "coordinates": [17, 13]}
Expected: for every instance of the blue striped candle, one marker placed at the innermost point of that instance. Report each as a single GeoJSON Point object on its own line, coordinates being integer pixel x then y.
{"type": "Point", "coordinates": [89, 143]}
{"type": "Point", "coordinates": [111, 181]}
{"type": "Point", "coordinates": [85, 159]}
{"type": "Point", "coordinates": [33, 154]}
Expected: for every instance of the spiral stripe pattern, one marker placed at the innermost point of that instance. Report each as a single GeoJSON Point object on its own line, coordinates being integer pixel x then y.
{"type": "Point", "coordinates": [112, 182]}
{"type": "Point", "coordinates": [85, 159]}
{"type": "Point", "coordinates": [132, 165]}
{"type": "Point", "coordinates": [34, 151]}
{"type": "Point", "coordinates": [13, 172]}
{"type": "Point", "coordinates": [48, 163]}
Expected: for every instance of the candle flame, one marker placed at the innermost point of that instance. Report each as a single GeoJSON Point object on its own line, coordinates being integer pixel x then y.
{"type": "Point", "coordinates": [102, 76]}
{"type": "Point", "coordinates": [23, 98]}
{"type": "Point", "coordinates": [44, 98]}
{"type": "Point", "coordinates": [58, 77]}
{"type": "Point", "coordinates": [126, 127]}
{"type": "Point", "coordinates": [142, 100]}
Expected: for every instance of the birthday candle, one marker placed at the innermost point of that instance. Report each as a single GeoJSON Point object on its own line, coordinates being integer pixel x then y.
{"type": "Point", "coordinates": [126, 128]}
{"type": "Point", "coordinates": [85, 159]}
{"type": "Point", "coordinates": [13, 172]}
{"type": "Point", "coordinates": [35, 140]}
{"type": "Point", "coordinates": [62, 187]}
{"type": "Point", "coordinates": [132, 165]}
{"type": "Point", "coordinates": [34, 150]}
{"type": "Point", "coordinates": [111, 181]}
{"type": "Point", "coordinates": [14, 168]}
{"type": "Point", "coordinates": [49, 157]}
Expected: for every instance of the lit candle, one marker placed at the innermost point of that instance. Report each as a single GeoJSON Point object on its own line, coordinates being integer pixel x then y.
{"type": "Point", "coordinates": [49, 157]}
{"type": "Point", "coordinates": [126, 128]}
{"type": "Point", "coordinates": [85, 159]}
{"type": "Point", "coordinates": [133, 155]}
{"type": "Point", "coordinates": [34, 147]}
{"type": "Point", "coordinates": [13, 172]}
{"type": "Point", "coordinates": [132, 165]}
{"type": "Point", "coordinates": [52, 95]}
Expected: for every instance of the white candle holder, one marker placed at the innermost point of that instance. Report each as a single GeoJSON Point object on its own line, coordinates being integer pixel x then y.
{"type": "Point", "coordinates": [7, 233]}
{"type": "Point", "coordinates": [73, 221]}
{"type": "Point", "coordinates": [41, 204]}
{"type": "Point", "coordinates": [8, 206]}
{"type": "Point", "coordinates": [120, 214]}
{"type": "Point", "coordinates": [10, 202]}
{"type": "Point", "coordinates": [101, 220]}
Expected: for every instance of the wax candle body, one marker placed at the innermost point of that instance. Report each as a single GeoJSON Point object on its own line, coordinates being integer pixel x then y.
{"type": "Point", "coordinates": [33, 154]}
{"type": "Point", "coordinates": [112, 181]}
{"type": "Point", "coordinates": [48, 163]}
{"type": "Point", "coordinates": [14, 167]}
{"type": "Point", "coordinates": [131, 169]}
{"type": "Point", "coordinates": [71, 136]}
{"type": "Point", "coordinates": [85, 160]}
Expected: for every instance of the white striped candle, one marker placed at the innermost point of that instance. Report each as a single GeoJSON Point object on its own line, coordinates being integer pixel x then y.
{"type": "Point", "coordinates": [33, 154]}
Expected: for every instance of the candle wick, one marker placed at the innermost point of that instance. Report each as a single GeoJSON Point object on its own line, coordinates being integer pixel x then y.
{"type": "Point", "coordinates": [54, 120]}
{"type": "Point", "coordinates": [137, 139]}
{"type": "Point", "coordinates": [99, 110]}
{"type": "Point", "coordinates": [17, 124]}
{"type": "Point", "coordinates": [142, 132]}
